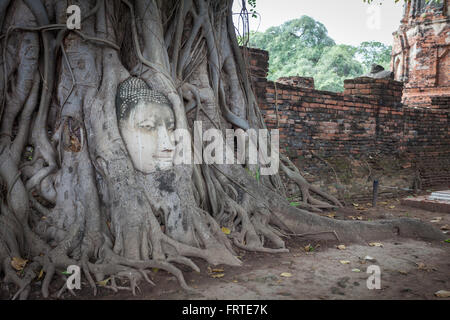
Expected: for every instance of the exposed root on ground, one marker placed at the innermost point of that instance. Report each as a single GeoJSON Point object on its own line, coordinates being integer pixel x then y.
{"type": "Point", "coordinates": [69, 193]}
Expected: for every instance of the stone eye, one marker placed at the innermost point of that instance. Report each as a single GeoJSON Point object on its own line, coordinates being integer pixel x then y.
{"type": "Point", "coordinates": [148, 126]}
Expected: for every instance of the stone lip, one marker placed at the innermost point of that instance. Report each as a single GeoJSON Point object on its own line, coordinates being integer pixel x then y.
{"type": "Point", "coordinates": [438, 201]}
{"type": "Point", "coordinates": [440, 196]}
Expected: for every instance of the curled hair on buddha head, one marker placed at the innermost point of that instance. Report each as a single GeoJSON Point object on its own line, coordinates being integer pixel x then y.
{"type": "Point", "coordinates": [133, 91]}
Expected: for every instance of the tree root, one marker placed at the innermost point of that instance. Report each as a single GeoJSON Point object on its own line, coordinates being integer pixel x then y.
{"type": "Point", "coordinates": [308, 202]}
{"type": "Point", "coordinates": [119, 236]}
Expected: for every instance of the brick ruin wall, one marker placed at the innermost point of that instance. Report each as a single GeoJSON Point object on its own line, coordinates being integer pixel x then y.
{"type": "Point", "coordinates": [420, 55]}
{"type": "Point", "coordinates": [367, 118]}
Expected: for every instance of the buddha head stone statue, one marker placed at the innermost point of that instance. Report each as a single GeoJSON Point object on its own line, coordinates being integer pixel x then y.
{"type": "Point", "coordinates": [146, 123]}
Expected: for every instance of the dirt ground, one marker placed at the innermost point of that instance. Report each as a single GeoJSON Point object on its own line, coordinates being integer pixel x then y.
{"type": "Point", "coordinates": [410, 269]}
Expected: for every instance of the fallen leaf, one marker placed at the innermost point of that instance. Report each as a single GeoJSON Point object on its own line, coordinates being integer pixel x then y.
{"type": "Point", "coordinates": [446, 227]}
{"type": "Point", "coordinates": [235, 281]}
{"type": "Point", "coordinates": [226, 230]}
{"type": "Point", "coordinates": [41, 274]}
{"type": "Point", "coordinates": [218, 275]}
{"type": "Point", "coordinates": [423, 266]}
{"type": "Point", "coordinates": [18, 263]}
{"type": "Point", "coordinates": [217, 270]}
{"type": "Point", "coordinates": [355, 205]}
{"type": "Point", "coordinates": [369, 258]}
{"type": "Point", "coordinates": [403, 272]}
{"type": "Point", "coordinates": [436, 219]}
{"type": "Point", "coordinates": [344, 261]}
{"type": "Point", "coordinates": [359, 218]}
{"type": "Point", "coordinates": [391, 207]}
{"type": "Point", "coordinates": [375, 244]}
{"type": "Point", "coordinates": [286, 274]}
{"type": "Point", "coordinates": [356, 270]}
{"type": "Point", "coordinates": [331, 215]}
{"type": "Point", "coordinates": [341, 247]}
{"type": "Point", "coordinates": [442, 294]}
{"type": "Point", "coordinates": [103, 283]}
{"type": "Point", "coordinates": [352, 217]}
{"type": "Point", "coordinates": [309, 248]}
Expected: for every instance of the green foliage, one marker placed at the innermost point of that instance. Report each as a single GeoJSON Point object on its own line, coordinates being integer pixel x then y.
{"type": "Point", "coordinates": [252, 4]}
{"type": "Point", "coordinates": [302, 47]}
{"type": "Point", "coordinates": [337, 64]}
{"type": "Point", "coordinates": [374, 52]}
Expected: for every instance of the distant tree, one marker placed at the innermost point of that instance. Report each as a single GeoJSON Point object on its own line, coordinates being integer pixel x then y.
{"type": "Point", "coordinates": [71, 191]}
{"type": "Point", "coordinates": [303, 47]}
{"type": "Point", "coordinates": [337, 64]}
{"type": "Point", "coordinates": [295, 47]}
{"type": "Point", "coordinates": [374, 52]}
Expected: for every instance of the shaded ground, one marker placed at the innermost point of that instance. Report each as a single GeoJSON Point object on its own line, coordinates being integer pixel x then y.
{"type": "Point", "coordinates": [410, 269]}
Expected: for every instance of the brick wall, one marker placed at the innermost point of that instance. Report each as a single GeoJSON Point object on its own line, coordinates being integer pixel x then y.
{"type": "Point", "coordinates": [301, 82]}
{"type": "Point", "coordinates": [421, 53]}
{"type": "Point", "coordinates": [367, 118]}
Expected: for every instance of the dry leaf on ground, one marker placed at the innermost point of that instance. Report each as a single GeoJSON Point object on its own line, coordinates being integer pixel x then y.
{"type": "Point", "coordinates": [41, 274]}
{"type": "Point", "coordinates": [423, 266]}
{"type": "Point", "coordinates": [103, 283]}
{"type": "Point", "coordinates": [341, 247]}
{"type": "Point", "coordinates": [375, 244]}
{"type": "Point", "coordinates": [18, 263]}
{"type": "Point", "coordinates": [442, 294]}
{"type": "Point", "coordinates": [286, 274]}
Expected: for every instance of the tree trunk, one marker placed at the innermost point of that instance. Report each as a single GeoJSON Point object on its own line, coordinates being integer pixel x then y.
{"type": "Point", "coordinates": [71, 194]}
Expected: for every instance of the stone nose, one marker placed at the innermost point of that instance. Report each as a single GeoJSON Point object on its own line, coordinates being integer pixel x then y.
{"type": "Point", "coordinates": [164, 141]}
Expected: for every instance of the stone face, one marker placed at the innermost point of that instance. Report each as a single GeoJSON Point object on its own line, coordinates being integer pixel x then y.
{"type": "Point", "coordinates": [420, 56]}
{"type": "Point", "coordinates": [146, 124]}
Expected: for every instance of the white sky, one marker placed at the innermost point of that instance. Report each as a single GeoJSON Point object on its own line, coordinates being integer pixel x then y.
{"type": "Point", "coordinates": [347, 21]}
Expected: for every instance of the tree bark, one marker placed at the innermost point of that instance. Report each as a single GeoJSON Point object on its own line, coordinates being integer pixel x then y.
{"type": "Point", "coordinates": [70, 193]}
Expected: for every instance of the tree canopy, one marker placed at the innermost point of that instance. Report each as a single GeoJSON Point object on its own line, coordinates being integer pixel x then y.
{"type": "Point", "coordinates": [303, 47]}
